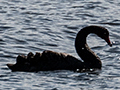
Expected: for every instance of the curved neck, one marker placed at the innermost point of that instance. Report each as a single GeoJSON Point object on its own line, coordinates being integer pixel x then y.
{"type": "Point", "coordinates": [83, 50]}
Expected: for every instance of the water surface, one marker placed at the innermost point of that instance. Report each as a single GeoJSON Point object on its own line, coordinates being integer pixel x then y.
{"type": "Point", "coordinates": [38, 25]}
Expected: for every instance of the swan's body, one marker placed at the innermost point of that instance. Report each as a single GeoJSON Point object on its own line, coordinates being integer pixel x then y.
{"type": "Point", "coordinates": [49, 60]}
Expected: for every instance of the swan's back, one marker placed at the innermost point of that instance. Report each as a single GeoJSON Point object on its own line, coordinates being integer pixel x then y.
{"type": "Point", "coordinates": [46, 61]}
{"type": "Point", "coordinates": [50, 60]}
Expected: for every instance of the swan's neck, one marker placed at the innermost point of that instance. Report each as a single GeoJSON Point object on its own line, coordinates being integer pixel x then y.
{"type": "Point", "coordinates": [83, 50]}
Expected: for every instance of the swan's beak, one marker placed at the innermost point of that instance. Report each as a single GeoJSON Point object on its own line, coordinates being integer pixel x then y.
{"type": "Point", "coordinates": [108, 41]}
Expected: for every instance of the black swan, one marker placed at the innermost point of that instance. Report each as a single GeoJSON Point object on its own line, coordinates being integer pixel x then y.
{"type": "Point", "coordinates": [49, 60]}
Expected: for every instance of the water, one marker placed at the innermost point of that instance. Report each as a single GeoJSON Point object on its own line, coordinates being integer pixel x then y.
{"type": "Point", "coordinates": [37, 25]}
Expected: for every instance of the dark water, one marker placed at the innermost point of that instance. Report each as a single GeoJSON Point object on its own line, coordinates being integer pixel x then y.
{"type": "Point", "coordinates": [37, 25]}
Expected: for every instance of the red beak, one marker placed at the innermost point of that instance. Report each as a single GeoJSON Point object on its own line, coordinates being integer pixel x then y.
{"type": "Point", "coordinates": [108, 41]}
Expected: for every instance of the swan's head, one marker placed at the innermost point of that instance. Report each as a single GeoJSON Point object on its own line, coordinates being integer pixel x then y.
{"type": "Point", "coordinates": [103, 33]}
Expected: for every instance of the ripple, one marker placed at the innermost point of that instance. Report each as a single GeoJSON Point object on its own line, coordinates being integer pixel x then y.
{"type": "Point", "coordinates": [33, 13]}
{"type": "Point", "coordinates": [114, 50]}
{"type": "Point", "coordinates": [5, 27]}
{"type": "Point", "coordinates": [37, 25]}
{"type": "Point", "coordinates": [110, 23]}
{"type": "Point", "coordinates": [3, 11]}
{"type": "Point", "coordinates": [17, 41]}
{"type": "Point", "coordinates": [70, 27]}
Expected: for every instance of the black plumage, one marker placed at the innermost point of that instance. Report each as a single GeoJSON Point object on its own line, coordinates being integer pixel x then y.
{"type": "Point", "coordinates": [49, 60]}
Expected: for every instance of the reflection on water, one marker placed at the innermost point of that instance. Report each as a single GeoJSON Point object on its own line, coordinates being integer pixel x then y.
{"type": "Point", "coordinates": [37, 25]}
